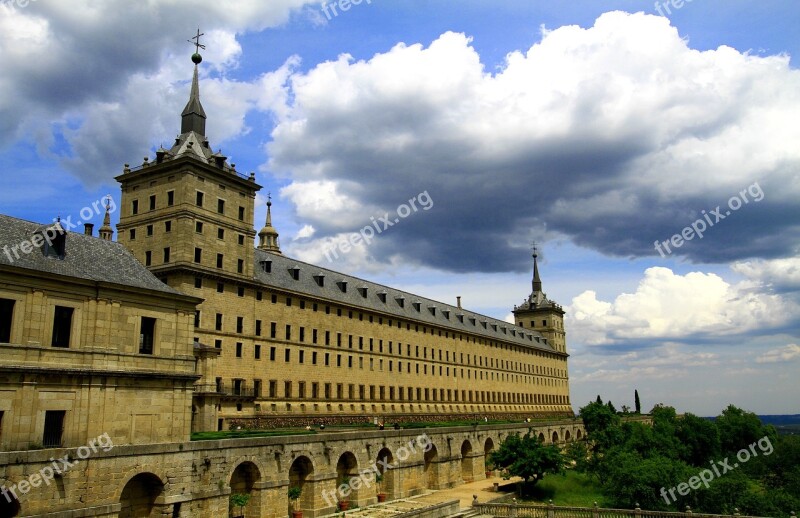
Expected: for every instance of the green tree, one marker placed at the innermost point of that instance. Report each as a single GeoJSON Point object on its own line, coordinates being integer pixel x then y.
{"type": "Point", "coordinates": [528, 458]}
{"type": "Point", "coordinates": [636, 403]}
{"type": "Point", "coordinates": [632, 479]}
{"type": "Point", "coordinates": [699, 440]}
{"type": "Point", "coordinates": [738, 429]}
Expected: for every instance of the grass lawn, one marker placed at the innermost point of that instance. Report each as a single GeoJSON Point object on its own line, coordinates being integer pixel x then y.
{"type": "Point", "coordinates": [573, 489]}
{"type": "Point", "coordinates": [240, 434]}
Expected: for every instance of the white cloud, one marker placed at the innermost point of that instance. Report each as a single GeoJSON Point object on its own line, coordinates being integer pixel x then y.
{"type": "Point", "coordinates": [783, 354]}
{"type": "Point", "coordinates": [780, 274]}
{"type": "Point", "coordinates": [667, 306]}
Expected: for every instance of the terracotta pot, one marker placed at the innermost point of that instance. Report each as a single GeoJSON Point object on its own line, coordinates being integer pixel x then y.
{"type": "Point", "coordinates": [488, 474]}
{"type": "Point", "coordinates": [344, 505]}
{"type": "Point", "coordinates": [381, 497]}
{"type": "Point", "coordinates": [297, 514]}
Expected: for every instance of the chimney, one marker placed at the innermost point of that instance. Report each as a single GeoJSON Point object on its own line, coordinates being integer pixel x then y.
{"type": "Point", "coordinates": [88, 228]}
{"type": "Point", "coordinates": [458, 301]}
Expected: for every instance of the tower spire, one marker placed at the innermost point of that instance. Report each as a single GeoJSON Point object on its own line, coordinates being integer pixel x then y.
{"type": "Point", "coordinates": [106, 231]}
{"type": "Point", "coordinates": [193, 117]}
{"type": "Point", "coordinates": [268, 236]}
{"type": "Point", "coordinates": [537, 282]}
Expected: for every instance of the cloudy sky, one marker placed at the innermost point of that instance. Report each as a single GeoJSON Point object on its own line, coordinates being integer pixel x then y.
{"type": "Point", "coordinates": [597, 128]}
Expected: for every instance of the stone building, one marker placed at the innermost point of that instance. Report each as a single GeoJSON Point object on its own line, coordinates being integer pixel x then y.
{"type": "Point", "coordinates": [307, 344]}
{"type": "Point", "coordinates": [113, 352]}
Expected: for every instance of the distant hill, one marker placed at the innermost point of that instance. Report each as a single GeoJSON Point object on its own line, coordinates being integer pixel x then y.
{"type": "Point", "coordinates": [785, 424]}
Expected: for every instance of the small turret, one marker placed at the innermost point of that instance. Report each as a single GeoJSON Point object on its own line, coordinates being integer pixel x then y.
{"type": "Point", "coordinates": [268, 236]}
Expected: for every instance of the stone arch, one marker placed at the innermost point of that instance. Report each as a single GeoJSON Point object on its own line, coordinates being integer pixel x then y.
{"type": "Point", "coordinates": [385, 461]}
{"type": "Point", "coordinates": [9, 509]}
{"type": "Point", "coordinates": [555, 437]}
{"type": "Point", "coordinates": [541, 437]}
{"type": "Point", "coordinates": [567, 436]}
{"type": "Point", "coordinates": [243, 480]}
{"type": "Point", "coordinates": [579, 434]}
{"type": "Point", "coordinates": [467, 473]}
{"type": "Point", "coordinates": [138, 498]}
{"type": "Point", "coordinates": [299, 473]}
{"type": "Point", "coordinates": [431, 468]}
{"type": "Point", "coordinates": [488, 448]}
{"type": "Point", "coordinates": [346, 469]}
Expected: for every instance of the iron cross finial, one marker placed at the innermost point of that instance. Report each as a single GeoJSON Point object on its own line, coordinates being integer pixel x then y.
{"type": "Point", "coordinates": [196, 42]}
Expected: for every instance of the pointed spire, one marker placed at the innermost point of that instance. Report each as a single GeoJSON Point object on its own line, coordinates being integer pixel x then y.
{"type": "Point", "coordinates": [268, 236]}
{"type": "Point", "coordinates": [193, 117]}
{"type": "Point", "coordinates": [537, 282]}
{"type": "Point", "coordinates": [106, 231]}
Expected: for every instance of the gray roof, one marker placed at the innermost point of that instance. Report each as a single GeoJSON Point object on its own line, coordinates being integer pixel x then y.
{"type": "Point", "coordinates": [87, 257]}
{"type": "Point", "coordinates": [367, 295]}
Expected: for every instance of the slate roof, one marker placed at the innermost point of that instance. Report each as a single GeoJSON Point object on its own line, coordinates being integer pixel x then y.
{"type": "Point", "coordinates": [87, 257]}
{"type": "Point", "coordinates": [364, 294]}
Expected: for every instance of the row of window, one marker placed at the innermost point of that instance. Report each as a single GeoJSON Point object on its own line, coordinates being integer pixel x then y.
{"type": "Point", "coordinates": [199, 201]}
{"type": "Point", "coordinates": [198, 227]}
{"type": "Point", "coordinates": [369, 344]}
{"type": "Point", "coordinates": [63, 317]}
{"type": "Point", "coordinates": [353, 392]}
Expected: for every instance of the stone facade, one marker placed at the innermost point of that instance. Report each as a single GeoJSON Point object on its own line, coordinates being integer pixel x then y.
{"type": "Point", "coordinates": [196, 479]}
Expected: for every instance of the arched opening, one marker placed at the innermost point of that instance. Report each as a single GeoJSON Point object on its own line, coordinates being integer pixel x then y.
{"type": "Point", "coordinates": [466, 462]}
{"type": "Point", "coordinates": [385, 462]}
{"type": "Point", "coordinates": [431, 468]}
{"type": "Point", "coordinates": [9, 509]}
{"type": "Point", "coordinates": [555, 437]}
{"type": "Point", "coordinates": [299, 472]}
{"type": "Point", "coordinates": [541, 437]}
{"type": "Point", "coordinates": [578, 434]}
{"type": "Point", "coordinates": [243, 481]}
{"type": "Point", "coordinates": [139, 496]}
{"type": "Point", "coordinates": [346, 468]}
{"type": "Point", "coordinates": [567, 436]}
{"type": "Point", "coordinates": [488, 447]}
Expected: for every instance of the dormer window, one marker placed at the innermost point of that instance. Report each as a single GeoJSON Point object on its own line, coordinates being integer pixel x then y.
{"type": "Point", "coordinates": [266, 266]}
{"type": "Point", "coordinates": [401, 301]}
{"type": "Point", "coordinates": [460, 318]}
{"type": "Point", "coordinates": [484, 323]}
{"type": "Point", "coordinates": [294, 271]}
{"type": "Point", "coordinates": [342, 286]}
{"type": "Point", "coordinates": [417, 305]}
{"type": "Point", "coordinates": [52, 241]}
{"type": "Point", "coordinates": [446, 313]}
{"type": "Point", "coordinates": [363, 291]}
{"type": "Point", "coordinates": [382, 296]}
{"type": "Point", "coordinates": [320, 280]}
{"type": "Point", "coordinates": [432, 309]}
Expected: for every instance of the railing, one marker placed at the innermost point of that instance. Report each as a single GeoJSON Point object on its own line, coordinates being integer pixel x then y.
{"type": "Point", "coordinates": [516, 510]}
{"type": "Point", "coordinates": [234, 391]}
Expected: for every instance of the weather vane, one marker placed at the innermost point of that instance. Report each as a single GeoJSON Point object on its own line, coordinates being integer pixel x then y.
{"type": "Point", "coordinates": [534, 248]}
{"type": "Point", "coordinates": [196, 57]}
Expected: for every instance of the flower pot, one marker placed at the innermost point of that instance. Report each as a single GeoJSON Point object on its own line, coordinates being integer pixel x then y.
{"type": "Point", "coordinates": [297, 514]}
{"type": "Point", "coordinates": [344, 505]}
{"type": "Point", "coordinates": [488, 474]}
{"type": "Point", "coordinates": [381, 497]}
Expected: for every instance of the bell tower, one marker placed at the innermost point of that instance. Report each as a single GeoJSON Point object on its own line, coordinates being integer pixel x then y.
{"type": "Point", "coordinates": [542, 314]}
{"type": "Point", "coordinates": [187, 213]}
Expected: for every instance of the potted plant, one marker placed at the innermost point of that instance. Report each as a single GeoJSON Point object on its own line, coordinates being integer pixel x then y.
{"type": "Point", "coordinates": [344, 503]}
{"type": "Point", "coordinates": [294, 494]}
{"type": "Point", "coordinates": [239, 500]}
{"type": "Point", "coordinates": [379, 486]}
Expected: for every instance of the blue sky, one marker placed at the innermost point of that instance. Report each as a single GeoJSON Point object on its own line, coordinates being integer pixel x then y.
{"type": "Point", "coordinates": [595, 128]}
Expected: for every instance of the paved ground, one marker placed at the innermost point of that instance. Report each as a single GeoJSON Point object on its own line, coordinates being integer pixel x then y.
{"type": "Point", "coordinates": [484, 489]}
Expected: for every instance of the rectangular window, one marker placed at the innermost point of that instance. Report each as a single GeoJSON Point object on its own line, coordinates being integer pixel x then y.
{"type": "Point", "coordinates": [327, 338]}
{"type": "Point", "coordinates": [53, 428]}
{"type": "Point", "coordinates": [302, 334]}
{"type": "Point", "coordinates": [170, 198]}
{"type": "Point", "coordinates": [6, 317]}
{"type": "Point", "coordinates": [241, 240]}
{"type": "Point", "coordinates": [221, 206]}
{"type": "Point", "coordinates": [147, 335]}
{"type": "Point", "coordinates": [149, 230]}
{"type": "Point", "coordinates": [135, 207]}
{"type": "Point", "coordinates": [313, 336]}
{"type": "Point", "coordinates": [218, 322]}
{"type": "Point", "coordinates": [272, 354]}
{"type": "Point", "coordinates": [198, 227]}
{"type": "Point", "coordinates": [287, 389]}
{"type": "Point", "coordinates": [288, 332]}
{"type": "Point", "coordinates": [240, 266]}
{"type": "Point", "coordinates": [238, 349]}
{"type": "Point", "coordinates": [197, 318]}
{"type": "Point", "coordinates": [287, 355]}
{"type": "Point", "coordinates": [239, 324]}
{"type": "Point", "coordinates": [258, 352]}
{"type": "Point", "coordinates": [132, 234]}
{"type": "Point", "coordinates": [148, 258]}
{"type": "Point", "coordinates": [241, 213]}
{"type": "Point", "coordinates": [302, 357]}
{"type": "Point", "coordinates": [220, 258]}
{"type": "Point", "coordinates": [258, 328]}
{"type": "Point", "coordinates": [220, 233]}
{"type": "Point", "coordinates": [218, 344]}
{"type": "Point", "coordinates": [167, 226]}
{"type": "Point", "coordinates": [273, 388]}
{"type": "Point", "coordinates": [62, 326]}
{"type": "Point", "coordinates": [198, 255]}
{"type": "Point", "coordinates": [199, 199]}
{"type": "Point", "coordinates": [166, 255]}
{"type": "Point", "coordinates": [153, 202]}
{"type": "Point", "coordinates": [220, 287]}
